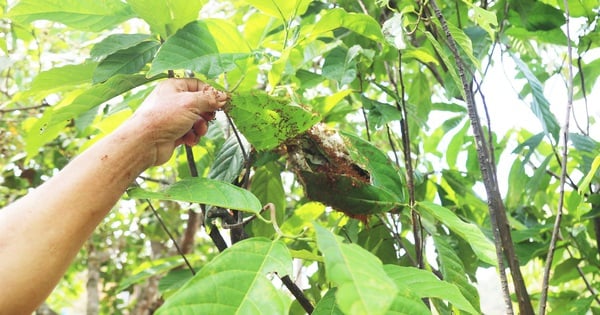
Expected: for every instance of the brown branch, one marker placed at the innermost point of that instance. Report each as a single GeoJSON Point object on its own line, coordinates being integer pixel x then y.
{"type": "Point", "coordinates": [25, 108]}
{"type": "Point", "coordinates": [498, 217]}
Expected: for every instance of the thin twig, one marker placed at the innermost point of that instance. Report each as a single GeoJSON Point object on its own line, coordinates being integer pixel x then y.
{"type": "Point", "coordinates": [164, 227]}
{"type": "Point", "coordinates": [8, 110]}
{"type": "Point", "coordinates": [563, 171]}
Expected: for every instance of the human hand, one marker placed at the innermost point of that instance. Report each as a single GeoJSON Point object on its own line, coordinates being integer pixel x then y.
{"type": "Point", "coordinates": [176, 112]}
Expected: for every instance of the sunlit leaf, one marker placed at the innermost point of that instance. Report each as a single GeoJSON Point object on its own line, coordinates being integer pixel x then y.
{"type": "Point", "coordinates": [236, 282]}
{"type": "Point", "coordinates": [481, 245]}
{"type": "Point", "coordinates": [65, 78]}
{"type": "Point", "coordinates": [127, 61]}
{"type": "Point", "coordinates": [426, 285]}
{"type": "Point", "coordinates": [362, 285]}
{"type": "Point", "coordinates": [359, 23]}
{"type": "Point", "coordinates": [116, 42]}
{"type": "Point", "coordinates": [281, 9]}
{"type": "Point", "coordinates": [194, 48]}
{"type": "Point", "coordinates": [93, 16]}
{"type": "Point", "coordinates": [168, 16]}
{"type": "Point", "coordinates": [204, 191]}
{"type": "Point", "coordinates": [267, 121]}
{"type": "Point", "coordinates": [327, 305]}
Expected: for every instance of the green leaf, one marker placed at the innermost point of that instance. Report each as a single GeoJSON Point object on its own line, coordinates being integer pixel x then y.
{"type": "Point", "coordinates": [384, 173]}
{"type": "Point", "coordinates": [204, 191]}
{"type": "Point", "coordinates": [380, 113]}
{"type": "Point", "coordinates": [590, 175]}
{"type": "Point", "coordinates": [236, 282]}
{"type": "Point", "coordinates": [447, 62]}
{"type": "Point", "coordinates": [348, 194]}
{"type": "Point", "coordinates": [152, 268]}
{"type": "Point", "coordinates": [359, 23]}
{"type": "Point", "coordinates": [481, 245]}
{"type": "Point", "coordinates": [229, 161]}
{"type": "Point", "coordinates": [92, 16]}
{"type": "Point", "coordinates": [486, 19]}
{"type": "Point", "coordinates": [168, 16]}
{"type": "Point", "coordinates": [363, 286]}
{"type": "Point", "coordinates": [540, 106]}
{"type": "Point", "coordinates": [127, 61]}
{"type": "Point", "coordinates": [268, 188]}
{"type": "Point", "coordinates": [327, 305]}
{"type": "Point", "coordinates": [116, 42]}
{"type": "Point", "coordinates": [453, 271]}
{"type": "Point", "coordinates": [338, 66]}
{"type": "Point", "coordinates": [194, 48]}
{"type": "Point", "coordinates": [267, 121]}
{"type": "Point", "coordinates": [426, 285]}
{"type": "Point", "coordinates": [173, 281]}
{"type": "Point", "coordinates": [65, 78]}
{"type": "Point", "coordinates": [536, 15]}
{"type": "Point", "coordinates": [98, 94]}
{"type": "Point", "coordinates": [285, 10]}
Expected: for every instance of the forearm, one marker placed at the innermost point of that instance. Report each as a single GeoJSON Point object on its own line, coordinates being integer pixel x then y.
{"type": "Point", "coordinates": [39, 241]}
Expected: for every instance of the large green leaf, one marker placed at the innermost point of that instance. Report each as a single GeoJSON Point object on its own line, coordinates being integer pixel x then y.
{"type": "Point", "coordinates": [540, 106]}
{"type": "Point", "coordinates": [383, 172]}
{"type": "Point", "coordinates": [481, 245]}
{"type": "Point", "coordinates": [167, 16]}
{"type": "Point", "coordinates": [236, 282]}
{"type": "Point", "coordinates": [194, 48]}
{"type": "Point", "coordinates": [453, 271]}
{"type": "Point", "coordinates": [59, 79]}
{"type": "Point", "coordinates": [327, 305]}
{"type": "Point", "coordinates": [126, 61]}
{"type": "Point", "coordinates": [205, 191]}
{"type": "Point", "coordinates": [285, 10]}
{"type": "Point", "coordinates": [363, 285]}
{"type": "Point", "coordinates": [267, 121]}
{"type": "Point", "coordinates": [426, 285]}
{"type": "Point", "coordinates": [116, 42]}
{"type": "Point", "coordinates": [89, 15]}
{"type": "Point", "coordinates": [359, 23]}
{"type": "Point", "coordinates": [229, 161]}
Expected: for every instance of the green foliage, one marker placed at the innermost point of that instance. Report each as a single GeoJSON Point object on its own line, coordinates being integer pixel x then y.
{"type": "Point", "coordinates": [226, 286]}
{"type": "Point", "coordinates": [204, 191]}
{"type": "Point", "coordinates": [379, 78]}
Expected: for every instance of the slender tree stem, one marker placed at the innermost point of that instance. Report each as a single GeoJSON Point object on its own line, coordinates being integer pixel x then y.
{"type": "Point", "coordinates": [498, 217]}
{"type": "Point", "coordinates": [563, 172]}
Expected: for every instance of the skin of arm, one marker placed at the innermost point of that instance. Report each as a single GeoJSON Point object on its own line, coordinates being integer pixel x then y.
{"type": "Point", "coordinates": [41, 233]}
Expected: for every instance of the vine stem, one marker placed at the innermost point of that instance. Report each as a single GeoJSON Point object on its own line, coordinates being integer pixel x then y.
{"type": "Point", "coordinates": [563, 171]}
{"type": "Point", "coordinates": [498, 217]}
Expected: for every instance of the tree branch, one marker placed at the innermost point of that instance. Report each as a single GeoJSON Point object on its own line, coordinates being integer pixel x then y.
{"type": "Point", "coordinates": [498, 218]}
